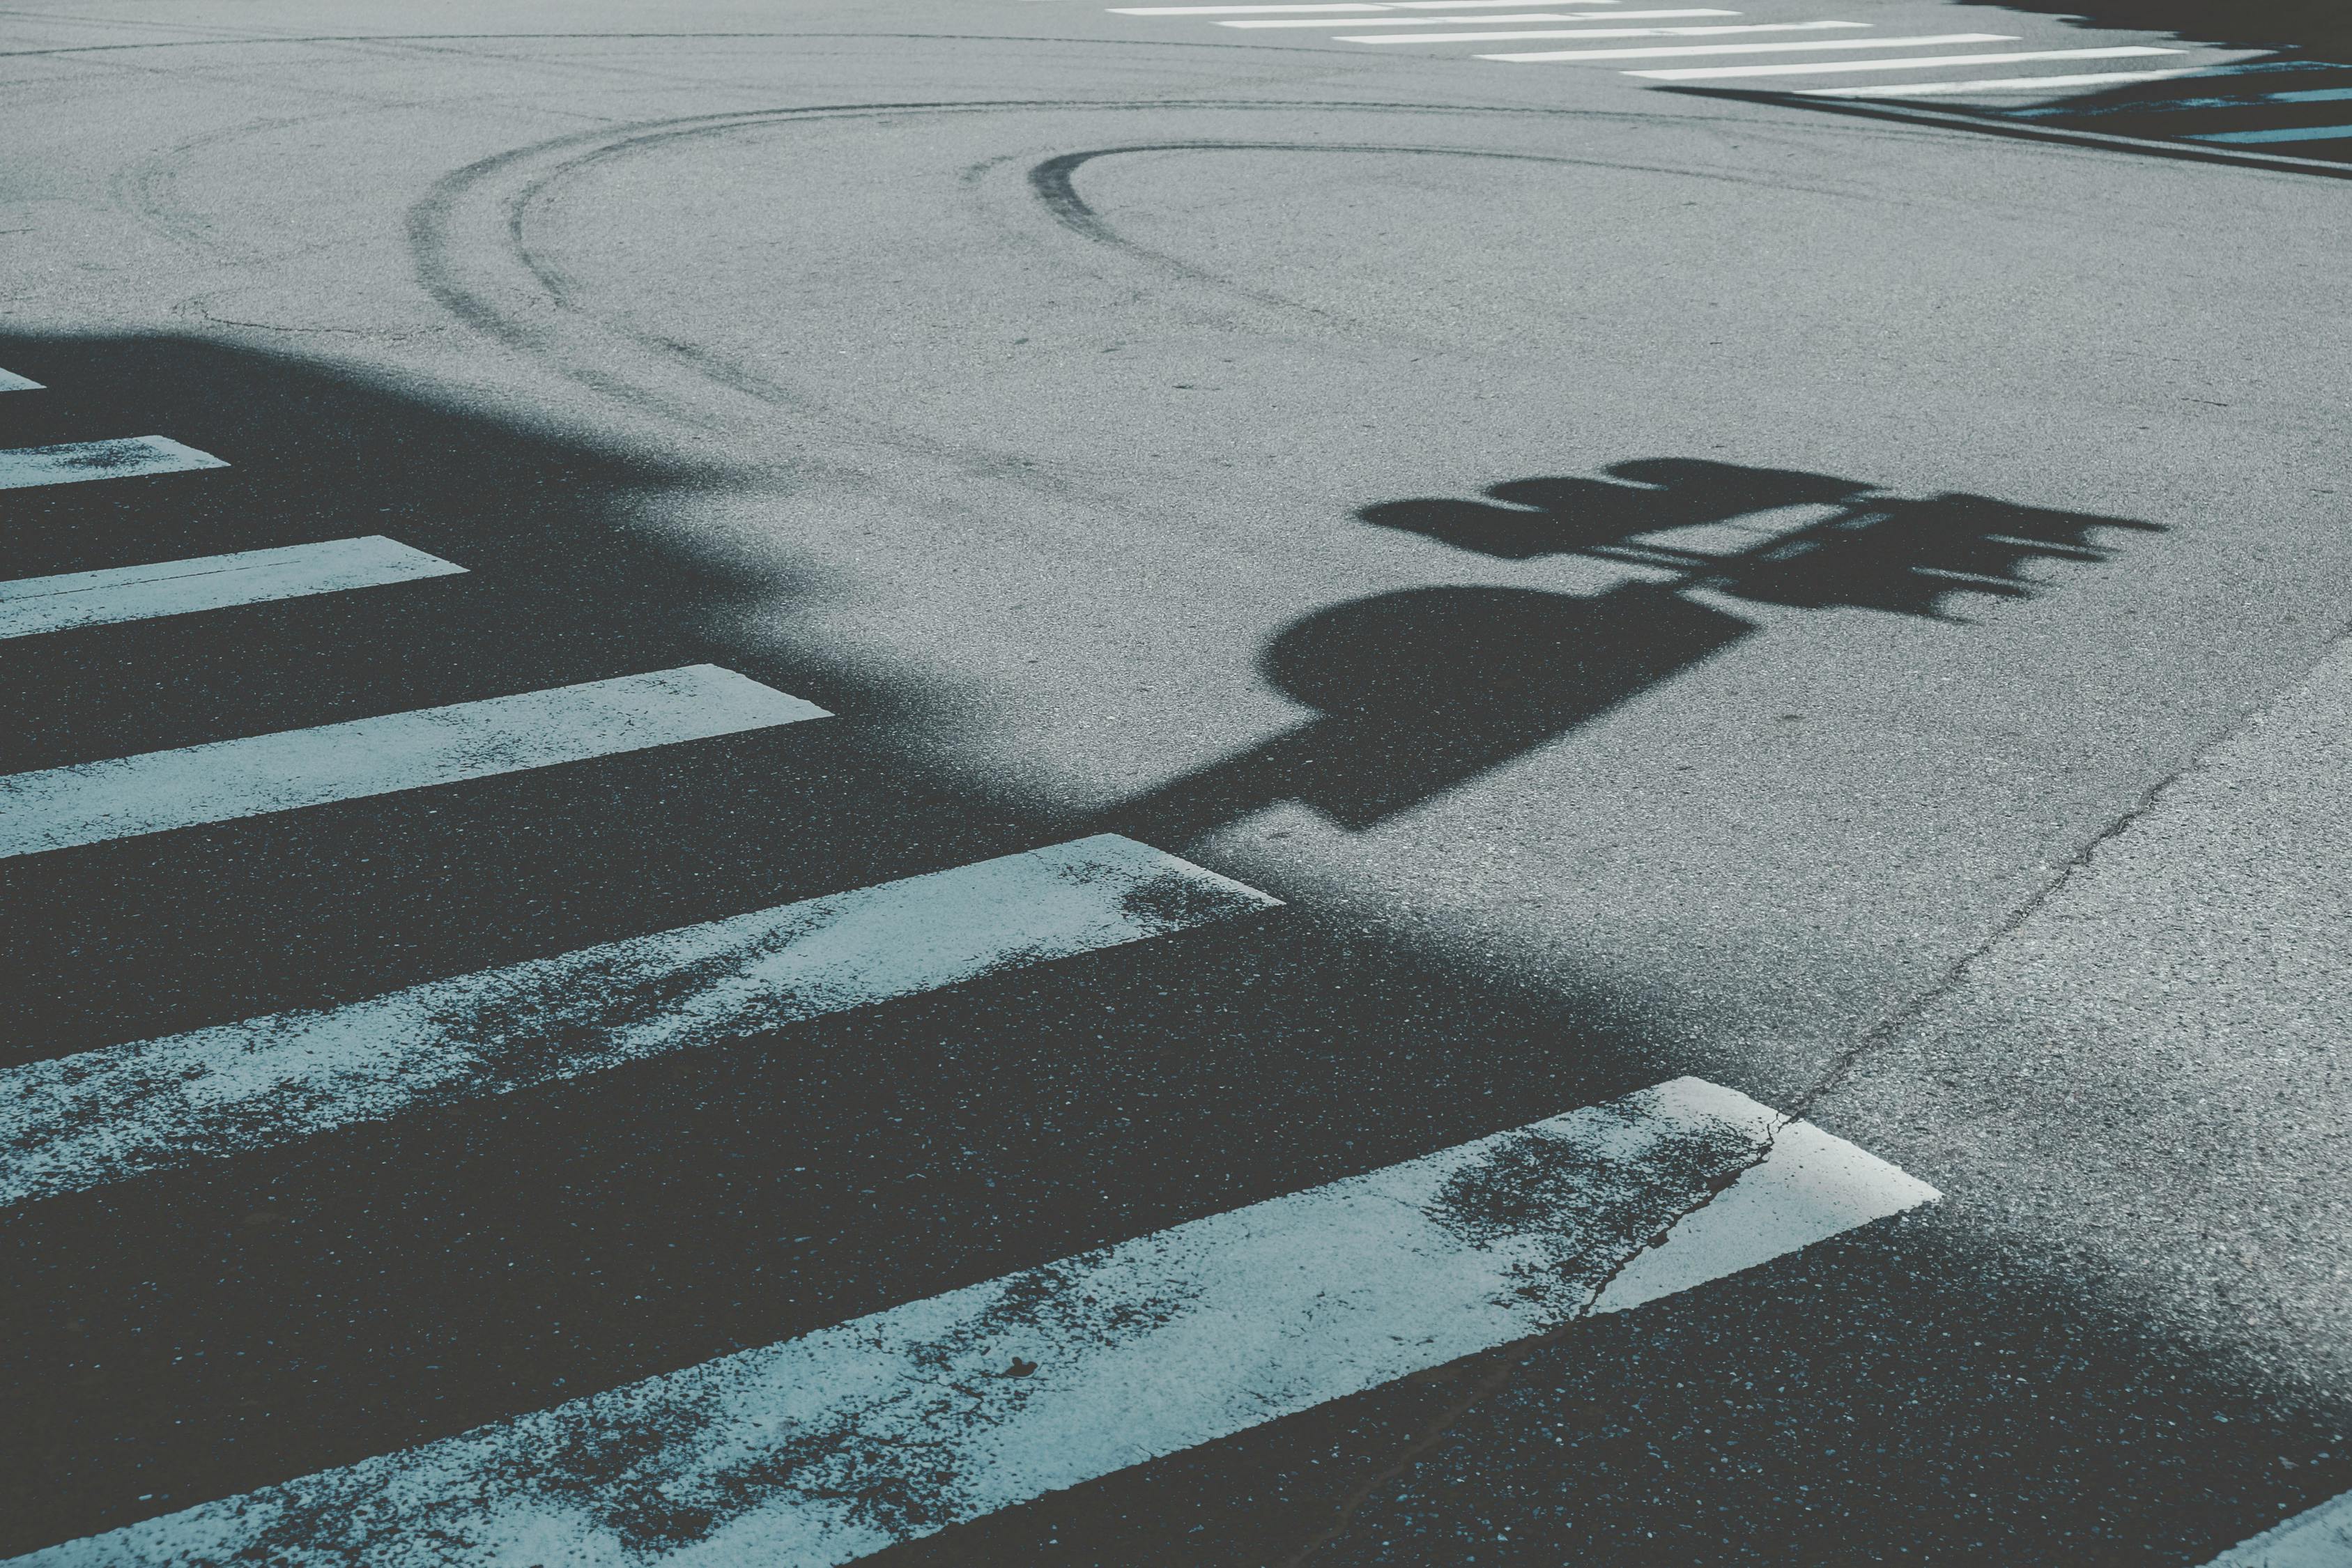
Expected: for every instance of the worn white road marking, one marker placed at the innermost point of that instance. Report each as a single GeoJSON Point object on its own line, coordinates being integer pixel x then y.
{"type": "Point", "coordinates": [2001, 84]}
{"type": "Point", "coordinates": [1608, 33]}
{"type": "Point", "coordinates": [2290, 134]}
{"type": "Point", "coordinates": [1456, 21]}
{"type": "Point", "coordinates": [2319, 1539]}
{"type": "Point", "coordinates": [31, 604]}
{"type": "Point", "coordinates": [1927, 63]}
{"type": "Point", "coordinates": [1228, 10]}
{"type": "Point", "coordinates": [103, 1116]}
{"type": "Point", "coordinates": [157, 791]}
{"type": "Point", "coordinates": [1805, 45]}
{"type": "Point", "coordinates": [131, 457]}
{"type": "Point", "coordinates": [11, 382]}
{"type": "Point", "coordinates": [820, 1450]}
{"type": "Point", "coordinates": [1368, 7]}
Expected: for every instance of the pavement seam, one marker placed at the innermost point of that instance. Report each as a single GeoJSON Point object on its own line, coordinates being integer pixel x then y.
{"type": "Point", "coordinates": [2199, 762]}
{"type": "Point", "coordinates": [1506, 1362]}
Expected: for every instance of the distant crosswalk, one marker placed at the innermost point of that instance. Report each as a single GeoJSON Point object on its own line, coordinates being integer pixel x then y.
{"type": "Point", "coordinates": [2304, 121]}
{"type": "Point", "coordinates": [2293, 110]}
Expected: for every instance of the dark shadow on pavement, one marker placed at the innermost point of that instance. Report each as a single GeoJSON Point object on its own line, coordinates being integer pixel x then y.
{"type": "Point", "coordinates": [1422, 691]}
{"type": "Point", "coordinates": [2318, 27]}
{"type": "Point", "coordinates": [2289, 109]}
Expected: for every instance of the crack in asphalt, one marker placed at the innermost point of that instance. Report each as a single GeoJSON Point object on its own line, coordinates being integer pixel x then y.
{"type": "Point", "coordinates": [1504, 1364]}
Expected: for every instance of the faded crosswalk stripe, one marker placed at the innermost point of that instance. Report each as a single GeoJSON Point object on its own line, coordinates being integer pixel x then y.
{"type": "Point", "coordinates": [1933, 62]}
{"type": "Point", "coordinates": [2319, 1539]}
{"type": "Point", "coordinates": [11, 382]}
{"type": "Point", "coordinates": [33, 604]}
{"type": "Point", "coordinates": [73, 462]}
{"type": "Point", "coordinates": [1457, 21]}
{"type": "Point", "coordinates": [823, 1449]}
{"type": "Point", "coordinates": [1366, 5]}
{"type": "Point", "coordinates": [157, 791]}
{"type": "Point", "coordinates": [1997, 84]}
{"type": "Point", "coordinates": [1605, 33]}
{"type": "Point", "coordinates": [104, 1116]}
{"type": "Point", "coordinates": [1808, 46]}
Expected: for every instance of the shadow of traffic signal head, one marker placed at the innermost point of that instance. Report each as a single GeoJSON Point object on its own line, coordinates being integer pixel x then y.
{"type": "Point", "coordinates": [1860, 547]}
{"type": "Point", "coordinates": [1418, 691]}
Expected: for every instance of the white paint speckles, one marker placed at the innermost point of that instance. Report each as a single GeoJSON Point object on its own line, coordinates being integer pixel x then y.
{"type": "Point", "coordinates": [157, 791]}
{"type": "Point", "coordinates": [34, 604]}
{"type": "Point", "coordinates": [11, 382]}
{"type": "Point", "coordinates": [823, 1449]}
{"type": "Point", "coordinates": [104, 1116]}
{"type": "Point", "coordinates": [2319, 1539]}
{"type": "Point", "coordinates": [131, 457]}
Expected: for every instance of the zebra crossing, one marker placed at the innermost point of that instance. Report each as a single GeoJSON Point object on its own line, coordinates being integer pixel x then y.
{"type": "Point", "coordinates": [30, 606]}
{"type": "Point", "coordinates": [2182, 93]}
{"type": "Point", "coordinates": [828, 1445]}
{"type": "Point", "coordinates": [897, 1426]}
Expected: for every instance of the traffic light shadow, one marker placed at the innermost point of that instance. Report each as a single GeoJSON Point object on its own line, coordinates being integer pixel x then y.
{"type": "Point", "coordinates": [1422, 690]}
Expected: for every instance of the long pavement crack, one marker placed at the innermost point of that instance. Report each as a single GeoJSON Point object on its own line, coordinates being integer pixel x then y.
{"type": "Point", "coordinates": [1501, 1367]}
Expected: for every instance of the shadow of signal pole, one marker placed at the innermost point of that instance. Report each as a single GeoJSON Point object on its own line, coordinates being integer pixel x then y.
{"type": "Point", "coordinates": [1420, 691]}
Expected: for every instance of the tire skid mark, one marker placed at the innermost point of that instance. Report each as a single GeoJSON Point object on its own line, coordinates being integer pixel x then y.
{"type": "Point", "coordinates": [468, 236]}
{"type": "Point", "coordinates": [1053, 182]}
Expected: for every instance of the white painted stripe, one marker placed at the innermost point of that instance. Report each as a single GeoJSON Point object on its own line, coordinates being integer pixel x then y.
{"type": "Point", "coordinates": [157, 791]}
{"type": "Point", "coordinates": [1806, 46]}
{"type": "Point", "coordinates": [2319, 1539]}
{"type": "Point", "coordinates": [821, 1451]}
{"type": "Point", "coordinates": [76, 461]}
{"type": "Point", "coordinates": [1936, 63]}
{"type": "Point", "coordinates": [1618, 32]}
{"type": "Point", "coordinates": [1227, 10]}
{"type": "Point", "coordinates": [1999, 84]}
{"type": "Point", "coordinates": [1270, 10]}
{"type": "Point", "coordinates": [2289, 134]}
{"type": "Point", "coordinates": [1455, 21]}
{"type": "Point", "coordinates": [108, 1115]}
{"type": "Point", "coordinates": [31, 604]}
{"type": "Point", "coordinates": [11, 382]}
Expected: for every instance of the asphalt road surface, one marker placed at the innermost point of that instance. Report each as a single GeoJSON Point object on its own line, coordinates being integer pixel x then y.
{"type": "Point", "coordinates": [986, 782]}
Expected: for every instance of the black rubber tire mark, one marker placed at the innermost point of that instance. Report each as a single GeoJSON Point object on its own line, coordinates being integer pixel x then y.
{"type": "Point", "coordinates": [141, 188]}
{"type": "Point", "coordinates": [1054, 183]}
{"type": "Point", "coordinates": [433, 246]}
